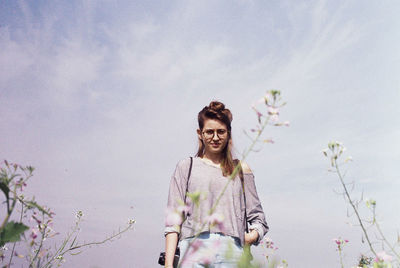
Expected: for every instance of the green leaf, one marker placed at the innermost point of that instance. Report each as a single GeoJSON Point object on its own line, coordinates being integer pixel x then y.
{"type": "Point", "coordinates": [195, 197]}
{"type": "Point", "coordinates": [246, 258]}
{"type": "Point", "coordinates": [36, 205]}
{"type": "Point", "coordinates": [12, 232]}
{"type": "Point", "coordinates": [4, 188]}
{"type": "Point", "coordinates": [76, 253]}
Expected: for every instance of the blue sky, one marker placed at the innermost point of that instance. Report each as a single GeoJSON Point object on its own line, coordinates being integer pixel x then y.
{"type": "Point", "coordinates": [102, 98]}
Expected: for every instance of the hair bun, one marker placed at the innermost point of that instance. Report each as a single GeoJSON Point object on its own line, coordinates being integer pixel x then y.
{"type": "Point", "coordinates": [217, 106]}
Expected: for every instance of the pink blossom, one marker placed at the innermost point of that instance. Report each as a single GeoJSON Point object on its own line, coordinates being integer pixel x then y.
{"type": "Point", "coordinates": [33, 233]}
{"type": "Point", "coordinates": [382, 256]}
{"type": "Point", "coordinates": [36, 219]}
{"type": "Point", "coordinates": [268, 98]}
{"type": "Point", "coordinates": [272, 111]}
{"type": "Point", "coordinates": [269, 141]}
{"type": "Point", "coordinates": [207, 257]}
{"type": "Point", "coordinates": [172, 217]}
{"type": "Point", "coordinates": [216, 219]}
{"type": "Point", "coordinates": [21, 184]}
{"type": "Point", "coordinates": [196, 245]}
{"type": "Point", "coordinates": [259, 115]}
{"type": "Point", "coordinates": [274, 118]}
{"type": "Point", "coordinates": [183, 209]}
{"type": "Point", "coordinates": [340, 242]}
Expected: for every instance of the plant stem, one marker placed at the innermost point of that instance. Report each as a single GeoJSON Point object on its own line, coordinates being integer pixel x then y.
{"type": "Point", "coordinates": [20, 220]}
{"type": "Point", "coordinates": [52, 258]}
{"type": "Point", "coordinates": [9, 210]}
{"type": "Point", "coordinates": [384, 238]}
{"type": "Point", "coordinates": [100, 242]}
{"type": "Point", "coordinates": [43, 233]}
{"type": "Point", "coordinates": [354, 207]}
{"type": "Point", "coordinates": [341, 259]}
{"type": "Point", "coordinates": [62, 253]}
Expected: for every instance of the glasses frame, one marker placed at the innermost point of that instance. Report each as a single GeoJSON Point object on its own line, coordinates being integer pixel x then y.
{"type": "Point", "coordinates": [220, 136]}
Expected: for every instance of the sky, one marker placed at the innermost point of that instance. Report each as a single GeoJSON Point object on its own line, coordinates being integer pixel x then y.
{"type": "Point", "coordinates": [101, 97]}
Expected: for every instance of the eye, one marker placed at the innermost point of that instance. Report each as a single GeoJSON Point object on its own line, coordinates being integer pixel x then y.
{"type": "Point", "coordinates": [221, 132]}
{"type": "Point", "coordinates": [209, 132]}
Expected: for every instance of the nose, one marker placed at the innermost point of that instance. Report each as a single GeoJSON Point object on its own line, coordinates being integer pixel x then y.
{"type": "Point", "coordinates": [215, 136]}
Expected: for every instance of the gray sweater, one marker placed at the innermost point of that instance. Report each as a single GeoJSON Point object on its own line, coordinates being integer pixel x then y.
{"type": "Point", "coordinates": [210, 182]}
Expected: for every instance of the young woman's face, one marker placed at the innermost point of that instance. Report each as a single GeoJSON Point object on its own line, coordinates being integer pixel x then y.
{"type": "Point", "coordinates": [214, 136]}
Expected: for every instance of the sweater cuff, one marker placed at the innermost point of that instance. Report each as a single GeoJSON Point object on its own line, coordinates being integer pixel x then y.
{"type": "Point", "coordinates": [172, 229]}
{"type": "Point", "coordinates": [260, 231]}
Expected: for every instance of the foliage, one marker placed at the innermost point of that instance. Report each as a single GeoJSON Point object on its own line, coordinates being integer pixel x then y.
{"type": "Point", "coordinates": [34, 225]}
{"type": "Point", "coordinates": [380, 259]}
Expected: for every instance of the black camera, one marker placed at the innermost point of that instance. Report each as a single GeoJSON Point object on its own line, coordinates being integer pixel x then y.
{"type": "Point", "coordinates": [161, 259]}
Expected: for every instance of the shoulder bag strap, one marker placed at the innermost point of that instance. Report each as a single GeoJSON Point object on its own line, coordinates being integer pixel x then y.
{"type": "Point", "coordinates": [187, 182]}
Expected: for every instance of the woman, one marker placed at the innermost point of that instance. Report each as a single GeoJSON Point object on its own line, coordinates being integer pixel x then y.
{"type": "Point", "coordinates": [208, 173]}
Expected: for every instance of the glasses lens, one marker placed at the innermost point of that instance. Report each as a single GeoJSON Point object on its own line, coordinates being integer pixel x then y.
{"type": "Point", "coordinates": [209, 133]}
{"type": "Point", "coordinates": [221, 132]}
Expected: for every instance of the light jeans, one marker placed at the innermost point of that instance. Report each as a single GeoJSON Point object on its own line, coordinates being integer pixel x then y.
{"type": "Point", "coordinates": [212, 250]}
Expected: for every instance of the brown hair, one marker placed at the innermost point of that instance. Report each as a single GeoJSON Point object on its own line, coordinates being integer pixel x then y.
{"type": "Point", "coordinates": [216, 110]}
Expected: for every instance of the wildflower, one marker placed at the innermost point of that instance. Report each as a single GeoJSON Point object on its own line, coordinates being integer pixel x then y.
{"type": "Point", "coordinates": [173, 217]}
{"type": "Point", "coordinates": [383, 257]}
{"type": "Point", "coordinates": [33, 233]}
{"type": "Point", "coordinates": [21, 184]}
{"type": "Point", "coordinates": [216, 219]}
{"type": "Point", "coordinates": [42, 253]}
{"type": "Point", "coordinates": [36, 219]}
{"type": "Point", "coordinates": [79, 214]}
{"type": "Point", "coordinates": [268, 141]}
{"type": "Point", "coordinates": [370, 202]}
{"type": "Point", "coordinates": [18, 255]}
{"type": "Point", "coordinates": [207, 257]}
{"type": "Point", "coordinates": [259, 115]}
{"type": "Point", "coordinates": [268, 98]}
{"type": "Point", "coordinates": [340, 242]}
{"type": "Point", "coordinates": [131, 221]}
{"type": "Point", "coordinates": [208, 254]}
{"type": "Point", "coordinates": [274, 118]}
{"type": "Point", "coordinates": [195, 197]}
{"type": "Point", "coordinates": [183, 209]}
{"type": "Point", "coordinates": [349, 158]}
{"type": "Point", "coordinates": [196, 245]}
{"type": "Point", "coordinates": [273, 111]}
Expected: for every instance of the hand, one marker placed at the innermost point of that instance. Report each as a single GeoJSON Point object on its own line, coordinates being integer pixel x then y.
{"type": "Point", "coordinates": [250, 238]}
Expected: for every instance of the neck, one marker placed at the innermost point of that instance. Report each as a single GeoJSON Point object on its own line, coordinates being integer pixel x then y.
{"type": "Point", "coordinates": [215, 158]}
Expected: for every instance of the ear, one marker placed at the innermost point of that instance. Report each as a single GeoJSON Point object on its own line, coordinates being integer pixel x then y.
{"type": "Point", "coordinates": [199, 134]}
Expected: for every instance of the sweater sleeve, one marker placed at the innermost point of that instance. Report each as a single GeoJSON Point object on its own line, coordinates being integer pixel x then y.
{"type": "Point", "coordinates": [254, 210]}
{"type": "Point", "coordinates": [176, 197]}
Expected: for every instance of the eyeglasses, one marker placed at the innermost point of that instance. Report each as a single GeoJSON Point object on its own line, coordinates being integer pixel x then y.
{"type": "Point", "coordinates": [209, 133]}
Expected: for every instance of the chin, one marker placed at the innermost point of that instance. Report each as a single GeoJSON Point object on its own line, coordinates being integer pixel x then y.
{"type": "Point", "coordinates": [216, 151]}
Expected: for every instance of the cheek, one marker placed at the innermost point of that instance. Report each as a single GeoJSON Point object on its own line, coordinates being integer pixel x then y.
{"type": "Point", "coordinates": [226, 143]}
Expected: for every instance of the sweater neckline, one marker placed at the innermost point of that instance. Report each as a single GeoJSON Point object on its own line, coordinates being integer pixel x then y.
{"type": "Point", "coordinates": [208, 163]}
